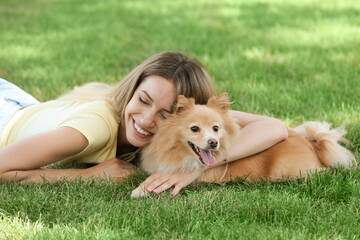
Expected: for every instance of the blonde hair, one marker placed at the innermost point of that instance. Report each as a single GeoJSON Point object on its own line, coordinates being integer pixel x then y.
{"type": "Point", "coordinates": [188, 74]}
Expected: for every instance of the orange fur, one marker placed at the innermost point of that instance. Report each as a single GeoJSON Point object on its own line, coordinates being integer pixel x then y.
{"type": "Point", "coordinates": [309, 147]}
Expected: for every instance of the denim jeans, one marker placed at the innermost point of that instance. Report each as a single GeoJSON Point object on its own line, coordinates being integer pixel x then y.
{"type": "Point", "coordinates": [12, 98]}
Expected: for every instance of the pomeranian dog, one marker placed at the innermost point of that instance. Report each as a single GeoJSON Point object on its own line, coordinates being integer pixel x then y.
{"type": "Point", "coordinates": [195, 136]}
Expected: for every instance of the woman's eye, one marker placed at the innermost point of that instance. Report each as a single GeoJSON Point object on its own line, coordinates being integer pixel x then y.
{"type": "Point", "coordinates": [215, 128]}
{"type": "Point", "coordinates": [142, 101]}
{"type": "Point", "coordinates": [195, 129]}
{"type": "Point", "coordinates": [163, 116]}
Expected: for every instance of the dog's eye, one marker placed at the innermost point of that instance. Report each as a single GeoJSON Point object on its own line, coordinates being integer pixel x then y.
{"type": "Point", "coordinates": [215, 128]}
{"type": "Point", "coordinates": [195, 129]}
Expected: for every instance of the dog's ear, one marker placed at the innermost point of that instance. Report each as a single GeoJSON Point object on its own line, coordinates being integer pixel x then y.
{"type": "Point", "coordinates": [220, 102]}
{"type": "Point", "coordinates": [183, 104]}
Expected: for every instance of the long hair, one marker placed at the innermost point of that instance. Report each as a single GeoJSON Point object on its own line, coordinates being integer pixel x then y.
{"type": "Point", "coordinates": [188, 74]}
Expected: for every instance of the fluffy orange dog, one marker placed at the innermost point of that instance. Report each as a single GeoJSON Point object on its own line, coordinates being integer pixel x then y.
{"type": "Point", "coordinates": [194, 136]}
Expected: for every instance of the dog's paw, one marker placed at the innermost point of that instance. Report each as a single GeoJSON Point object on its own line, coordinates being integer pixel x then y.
{"type": "Point", "coordinates": [139, 192]}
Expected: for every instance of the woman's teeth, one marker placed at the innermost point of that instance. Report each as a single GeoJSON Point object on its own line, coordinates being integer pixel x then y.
{"type": "Point", "coordinates": [141, 130]}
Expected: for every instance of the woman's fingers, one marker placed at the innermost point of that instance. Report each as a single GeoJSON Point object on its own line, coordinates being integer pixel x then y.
{"type": "Point", "coordinates": [114, 167]}
{"type": "Point", "coordinates": [158, 180]}
{"type": "Point", "coordinates": [150, 179]}
{"type": "Point", "coordinates": [176, 189]}
{"type": "Point", "coordinates": [154, 181]}
{"type": "Point", "coordinates": [164, 186]}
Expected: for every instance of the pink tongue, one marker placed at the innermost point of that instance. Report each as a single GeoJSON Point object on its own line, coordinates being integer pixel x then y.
{"type": "Point", "coordinates": [207, 157]}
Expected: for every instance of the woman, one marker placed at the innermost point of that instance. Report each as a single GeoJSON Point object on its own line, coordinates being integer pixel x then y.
{"type": "Point", "coordinates": [97, 122]}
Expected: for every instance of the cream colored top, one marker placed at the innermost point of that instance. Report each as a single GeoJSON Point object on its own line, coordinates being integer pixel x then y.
{"type": "Point", "coordinates": [95, 120]}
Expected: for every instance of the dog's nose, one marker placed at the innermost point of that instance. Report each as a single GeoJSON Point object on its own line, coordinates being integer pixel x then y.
{"type": "Point", "coordinates": [213, 142]}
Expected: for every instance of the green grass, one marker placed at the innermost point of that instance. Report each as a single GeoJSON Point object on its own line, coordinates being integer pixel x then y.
{"type": "Point", "coordinates": [293, 60]}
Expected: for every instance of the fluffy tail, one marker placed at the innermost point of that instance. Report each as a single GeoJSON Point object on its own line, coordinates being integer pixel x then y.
{"type": "Point", "coordinates": [325, 142]}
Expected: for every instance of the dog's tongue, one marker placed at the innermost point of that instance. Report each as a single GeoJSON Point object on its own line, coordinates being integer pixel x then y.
{"type": "Point", "coordinates": [207, 157]}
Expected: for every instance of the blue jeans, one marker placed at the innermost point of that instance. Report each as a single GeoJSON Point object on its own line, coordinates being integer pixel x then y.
{"type": "Point", "coordinates": [12, 98]}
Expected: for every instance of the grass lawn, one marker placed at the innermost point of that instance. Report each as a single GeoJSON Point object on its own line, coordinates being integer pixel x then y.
{"type": "Point", "coordinates": [293, 60]}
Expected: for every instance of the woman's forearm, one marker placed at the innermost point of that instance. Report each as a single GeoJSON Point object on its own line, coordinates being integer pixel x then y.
{"type": "Point", "coordinates": [256, 137]}
{"type": "Point", "coordinates": [44, 175]}
{"type": "Point", "coordinates": [117, 169]}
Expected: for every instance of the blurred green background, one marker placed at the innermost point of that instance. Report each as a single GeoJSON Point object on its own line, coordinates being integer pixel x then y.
{"type": "Point", "coordinates": [283, 58]}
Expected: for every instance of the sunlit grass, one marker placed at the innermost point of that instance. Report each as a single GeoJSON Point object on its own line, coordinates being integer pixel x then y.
{"type": "Point", "coordinates": [293, 60]}
{"type": "Point", "coordinates": [16, 227]}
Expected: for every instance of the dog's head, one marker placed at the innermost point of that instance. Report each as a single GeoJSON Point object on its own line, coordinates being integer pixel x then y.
{"type": "Point", "coordinates": [207, 129]}
{"type": "Point", "coordinates": [193, 136]}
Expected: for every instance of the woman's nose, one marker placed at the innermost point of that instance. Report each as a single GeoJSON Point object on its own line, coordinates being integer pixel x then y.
{"type": "Point", "coordinates": [147, 120]}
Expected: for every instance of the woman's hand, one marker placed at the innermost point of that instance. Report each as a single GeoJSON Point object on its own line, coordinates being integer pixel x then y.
{"type": "Point", "coordinates": [159, 182]}
{"type": "Point", "coordinates": [114, 168]}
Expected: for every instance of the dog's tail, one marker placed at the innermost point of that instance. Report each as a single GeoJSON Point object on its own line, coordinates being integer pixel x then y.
{"type": "Point", "coordinates": [325, 142]}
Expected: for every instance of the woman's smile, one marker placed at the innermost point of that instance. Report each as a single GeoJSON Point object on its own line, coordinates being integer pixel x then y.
{"type": "Point", "coordinates": [141, 132]}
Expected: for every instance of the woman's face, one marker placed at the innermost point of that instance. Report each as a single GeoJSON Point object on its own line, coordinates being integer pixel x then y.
{"type": "Point", "coordinates": [147, 109]}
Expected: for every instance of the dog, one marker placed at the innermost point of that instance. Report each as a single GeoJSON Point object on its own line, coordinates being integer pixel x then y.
{"type": "Point", "coordinates": [195, 136]}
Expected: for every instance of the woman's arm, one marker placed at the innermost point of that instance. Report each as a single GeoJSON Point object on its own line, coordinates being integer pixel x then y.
{"type": "Point", "coordinates": [22, 160]}
{"type": "Point", "coordinates": [119, 171]}
{"type": "Point", "coordinates": [258, 133]}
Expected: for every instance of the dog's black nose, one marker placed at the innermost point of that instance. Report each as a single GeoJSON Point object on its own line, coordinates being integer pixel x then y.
{"type": "Point", "coordinates": [213, 142]}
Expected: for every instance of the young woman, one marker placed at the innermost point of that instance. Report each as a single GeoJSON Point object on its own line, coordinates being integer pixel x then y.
{"type": "Point", "coordinates": [97, 123]}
